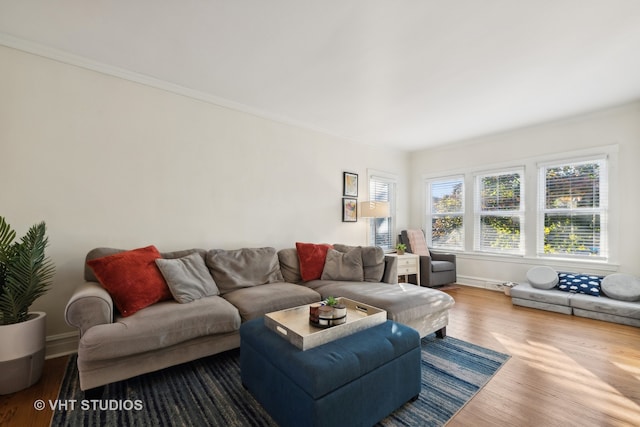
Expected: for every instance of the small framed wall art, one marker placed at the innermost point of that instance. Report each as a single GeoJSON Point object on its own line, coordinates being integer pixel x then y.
{"type": "Point", "coordinates": [349, 209]}
{"type": "Point", "coordinates": [349, 184]}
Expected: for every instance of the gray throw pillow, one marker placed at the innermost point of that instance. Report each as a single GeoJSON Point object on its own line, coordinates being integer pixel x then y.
{"type": "Point", "coordinates": [243, 268]}
{"type": "Point", "coordinates": [343, 265]}
{"type": "Point", "coordinates": [188, 278]}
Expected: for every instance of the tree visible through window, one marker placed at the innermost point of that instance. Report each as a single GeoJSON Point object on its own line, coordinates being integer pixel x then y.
{"type": "Point", "coordinates": [446, 212]}
{"type": "Point", "coordinates": [499, 213]}
{"type": "Point", "coordinates": [574, 208]}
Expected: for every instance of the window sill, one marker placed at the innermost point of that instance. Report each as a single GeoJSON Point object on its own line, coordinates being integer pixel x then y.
{"type": "Point", "coordinates": [556, 263]}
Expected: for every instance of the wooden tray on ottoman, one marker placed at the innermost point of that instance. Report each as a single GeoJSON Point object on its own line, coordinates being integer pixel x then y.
{"type": "Point", "coordinates": [293, 324]}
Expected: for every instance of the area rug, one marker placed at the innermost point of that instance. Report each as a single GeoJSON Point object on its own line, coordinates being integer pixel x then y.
{"type": "Point", "coordinates": [208, 392]}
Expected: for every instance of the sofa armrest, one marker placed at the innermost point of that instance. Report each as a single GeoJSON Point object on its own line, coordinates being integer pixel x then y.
{"type": "Point", "coordinates": [90, 305]}
{"type": "Point", "coordinates": [390, 270]}
{"type": "Point", "coordinates": [441, 256]}
{"type": "Point", "coordinates": [425, 264]}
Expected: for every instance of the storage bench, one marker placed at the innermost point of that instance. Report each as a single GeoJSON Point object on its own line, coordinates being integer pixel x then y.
{"type": "Point", "coordinates": [356, 380]}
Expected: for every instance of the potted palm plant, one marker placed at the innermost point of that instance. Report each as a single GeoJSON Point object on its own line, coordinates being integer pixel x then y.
{"type": "Point", "coordinates": [25, 275]}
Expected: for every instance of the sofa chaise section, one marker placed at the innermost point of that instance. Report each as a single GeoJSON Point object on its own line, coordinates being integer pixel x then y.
{"type": "Point", "coordinates": [424, 309]}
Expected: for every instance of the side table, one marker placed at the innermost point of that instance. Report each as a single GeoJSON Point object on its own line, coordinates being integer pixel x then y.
{"type": "Point", "coordinates": [408, 264]}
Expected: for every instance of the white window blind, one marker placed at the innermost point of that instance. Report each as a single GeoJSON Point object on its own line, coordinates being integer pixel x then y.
{"type": "Point", "coordinates": [499, 212]}
{"type": "Point", "coordinates": [381, 233]}
{"type": "Point", "coordinates": [573, 209]}
{"type": "Point", "coordinates": [445, 212]}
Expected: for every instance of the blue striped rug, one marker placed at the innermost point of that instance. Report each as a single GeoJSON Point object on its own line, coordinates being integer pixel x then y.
{"type": "Point", "coordinates": [208, 392]}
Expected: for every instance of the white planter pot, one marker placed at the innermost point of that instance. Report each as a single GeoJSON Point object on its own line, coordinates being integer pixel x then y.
{"type": "Point", "coordinates": [22, 353]}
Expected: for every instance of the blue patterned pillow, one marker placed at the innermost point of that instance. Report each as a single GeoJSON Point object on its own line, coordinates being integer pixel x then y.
{"type": "Point", "coordinates": [580, 283]}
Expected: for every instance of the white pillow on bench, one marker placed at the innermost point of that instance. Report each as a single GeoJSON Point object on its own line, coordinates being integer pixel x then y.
{"type": "Point", "coordinates": [542, 277]}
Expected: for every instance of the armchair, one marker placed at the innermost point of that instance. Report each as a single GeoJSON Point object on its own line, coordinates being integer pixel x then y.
{"type": "Point", "coordinates": [436, 268]}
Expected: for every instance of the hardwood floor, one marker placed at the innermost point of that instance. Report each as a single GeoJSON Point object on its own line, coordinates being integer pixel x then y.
{"type": "Point", "coordinates": [564, 370]}
{"type": "Point", "coordinates": [17, 409]}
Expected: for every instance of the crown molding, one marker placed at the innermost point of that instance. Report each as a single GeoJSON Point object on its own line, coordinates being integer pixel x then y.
{"type": "Point", "coordinates": [89, 64]}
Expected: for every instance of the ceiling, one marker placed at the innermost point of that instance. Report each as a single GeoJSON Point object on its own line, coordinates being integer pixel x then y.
{"type": "Point", "coordinates": [408, 74]}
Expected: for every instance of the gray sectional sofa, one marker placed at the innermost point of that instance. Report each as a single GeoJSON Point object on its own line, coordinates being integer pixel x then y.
{"type": "Point", "coordinates": [618, 299]}
{"type": "Point", "coordinates": [250, 283]}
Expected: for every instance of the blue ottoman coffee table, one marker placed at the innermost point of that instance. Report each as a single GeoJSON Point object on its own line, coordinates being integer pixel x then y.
{"type": "Point", "coordinates": [356, 380]}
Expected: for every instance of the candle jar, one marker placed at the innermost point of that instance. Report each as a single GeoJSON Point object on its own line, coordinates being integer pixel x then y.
{"type": "Point", "coordinates": [339, 314]}
{"type": "Point", "coordinates": [325, 314]}
{"type": "Point", "coordinates": [313, 313]}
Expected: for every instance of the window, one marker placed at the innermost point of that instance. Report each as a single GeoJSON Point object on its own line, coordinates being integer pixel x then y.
{"type": "Point", "coordinates": [499, 212]}
{"type": "Point", "coordinates": [573, 209]}
{"type": "Point", "coordinates": [445, 212]}
{"type": "Point", "coordinates": [382, 230]}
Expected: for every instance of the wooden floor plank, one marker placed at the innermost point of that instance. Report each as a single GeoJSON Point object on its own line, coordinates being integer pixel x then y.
{"type": "Point", "coordinates": [17, 409]}
{"type": "Point", "coordinates": [564, 370]}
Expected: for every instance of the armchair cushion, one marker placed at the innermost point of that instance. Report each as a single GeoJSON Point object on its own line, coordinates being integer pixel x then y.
{"type": "Point", "coordinates": [437, 266]}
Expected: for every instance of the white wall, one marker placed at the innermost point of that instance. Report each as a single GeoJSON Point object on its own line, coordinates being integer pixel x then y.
{"type": "Point", "coordinates": [616, 126]}
{"type": "Point", "coordinates": [109, 162]}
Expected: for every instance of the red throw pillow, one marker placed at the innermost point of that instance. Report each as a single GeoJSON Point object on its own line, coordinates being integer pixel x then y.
{"type": "Point", "coordinates": [132, 278]}
{"type": "Point", "coordinates": [312, 258]}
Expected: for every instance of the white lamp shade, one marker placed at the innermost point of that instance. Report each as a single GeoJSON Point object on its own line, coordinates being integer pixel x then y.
{"type": "Point", "coordinates": [374, 209]}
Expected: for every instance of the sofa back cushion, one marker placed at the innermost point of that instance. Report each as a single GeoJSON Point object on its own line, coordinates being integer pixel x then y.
{"type": "Point", "coordinates": [290, 265]}
{"type": "Point", "coordinates": [243, 268]}
{"type": "Point", "coordinates": [372, 261]}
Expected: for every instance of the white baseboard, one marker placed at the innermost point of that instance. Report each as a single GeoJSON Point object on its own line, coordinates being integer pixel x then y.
{"type": "Point", "coordinates": [481, 282]}
{"type": "Point", "coordinates": [61, 345]}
